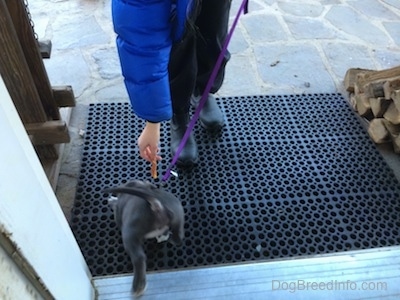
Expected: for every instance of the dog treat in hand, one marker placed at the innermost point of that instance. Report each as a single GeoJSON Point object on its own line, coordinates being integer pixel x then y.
{"type": "Point", "coordinates": [154, 169]}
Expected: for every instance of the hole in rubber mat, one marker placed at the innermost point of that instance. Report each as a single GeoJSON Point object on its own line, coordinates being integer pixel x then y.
{"type": "Point", "coordinates": [290, 175]}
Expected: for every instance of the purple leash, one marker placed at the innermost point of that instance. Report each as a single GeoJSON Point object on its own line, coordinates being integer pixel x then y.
{"type": "Point", "coordinates": [244, 8]}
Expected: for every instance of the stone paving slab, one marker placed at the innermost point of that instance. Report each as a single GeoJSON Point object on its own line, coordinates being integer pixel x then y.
{"type": "Point", "coordinates": [393, 3]}
{"type": "Point", "coordinates": [356, 26]}
{"type": "Point", "coordinates": [296, 67]}
{"type": "Point", "coordinates": [69, 68]}
{"type": "Point", "coordinates": [301, 9]}
{"type": "Point", "coordinates": [348, 54]}
{"type": "Point", "coordinates": [310, 28]}
{"type": "Point", "coordinates": [393, 29]}
{"type": "Point", "coordinates": [374, 9]}
{"type": "Point", "coordinates": [280, 47]}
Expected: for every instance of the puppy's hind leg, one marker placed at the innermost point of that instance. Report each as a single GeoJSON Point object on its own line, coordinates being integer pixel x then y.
{"type": "Point", "coordinates": [177, 225]}
{"type": "Point", "coordinates": [138, 257]}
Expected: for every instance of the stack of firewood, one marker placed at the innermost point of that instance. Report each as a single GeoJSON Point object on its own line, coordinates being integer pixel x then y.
{"type": "Point", "coordinates": [375, 95]}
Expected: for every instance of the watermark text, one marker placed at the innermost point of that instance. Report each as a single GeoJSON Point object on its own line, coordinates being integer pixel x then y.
{"type": "Point", "coordinates": [332, 285]}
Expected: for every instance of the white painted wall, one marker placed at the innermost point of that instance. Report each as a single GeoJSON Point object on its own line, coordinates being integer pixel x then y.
{"type": "Point", "coordinates": [30, 211]}
{"type": "Point", "coordinates": [13, 283]}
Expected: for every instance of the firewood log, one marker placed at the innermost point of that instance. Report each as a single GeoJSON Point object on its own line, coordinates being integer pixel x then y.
{"type": "Point", "coordinates": [395, 96]}
{"type": "Point", "coordinates": [350, 78]}
{"type": "Point", "coordinates": [379, 106]}
{"type": "Point", "coordinates": [378, 131]}
{"type": "Point", "coordinates": [392, 114]}
{"type": "Point", "coordinates": [394, 133]}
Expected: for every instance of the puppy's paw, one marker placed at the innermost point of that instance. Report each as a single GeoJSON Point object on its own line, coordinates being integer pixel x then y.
{"type": "Point", "coordinates": [139, 290]}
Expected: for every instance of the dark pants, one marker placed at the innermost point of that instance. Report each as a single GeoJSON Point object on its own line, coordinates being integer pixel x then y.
{"type": "Point", "coordinates": [192, 59]}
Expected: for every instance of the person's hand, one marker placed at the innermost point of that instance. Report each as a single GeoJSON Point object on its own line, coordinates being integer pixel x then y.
{"type": "Point", "coordinates": [148, 142]}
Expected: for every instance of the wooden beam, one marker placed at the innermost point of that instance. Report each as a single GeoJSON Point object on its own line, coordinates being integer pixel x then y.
{"type": "Point", "coordinates": [48, 133]}
{"type": "Point", "coordinates": [47, 153]}
{"type": "Point", "coordinates": [31, 50]}
{"type": "Point", "coordinates": [45, 48]}
{"type": "Point", "coordinates": [16, 74]}
{"type": "Point", "coordinates": [52, 167]}
{"type": "Point", "coordinates": [64, 96]}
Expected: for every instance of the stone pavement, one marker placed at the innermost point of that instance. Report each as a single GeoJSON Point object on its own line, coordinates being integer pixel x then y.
{"type": "Point", "coordinates": [279, 47]}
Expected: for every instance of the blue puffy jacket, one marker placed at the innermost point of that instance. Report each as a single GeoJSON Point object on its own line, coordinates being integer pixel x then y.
{"type": "Point", "coordinates": [146, 30]}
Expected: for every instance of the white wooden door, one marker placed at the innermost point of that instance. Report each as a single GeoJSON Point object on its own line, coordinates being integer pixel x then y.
{"type": "Point", "coordinates": [30, 216]}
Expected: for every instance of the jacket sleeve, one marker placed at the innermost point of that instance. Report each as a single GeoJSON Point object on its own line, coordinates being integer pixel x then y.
{"type": "Point", "coordinates": [143, 31]}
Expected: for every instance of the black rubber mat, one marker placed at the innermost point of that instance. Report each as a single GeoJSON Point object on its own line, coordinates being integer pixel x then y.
{"type": "Point", "coordinates": [289, 176]}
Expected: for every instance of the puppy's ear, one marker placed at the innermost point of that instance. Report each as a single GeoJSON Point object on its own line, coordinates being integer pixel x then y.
{"type": "Point", "coordinates": [149, 185]}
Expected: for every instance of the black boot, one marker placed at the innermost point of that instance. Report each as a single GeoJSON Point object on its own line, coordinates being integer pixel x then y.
{"type": "Point", "coordinates": [188, 157]}
{"type": "Point", "coordinates": [211, 117]}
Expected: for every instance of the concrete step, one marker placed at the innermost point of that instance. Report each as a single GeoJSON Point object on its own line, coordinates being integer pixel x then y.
{"type": "Point", "coordinates": [362, 274]}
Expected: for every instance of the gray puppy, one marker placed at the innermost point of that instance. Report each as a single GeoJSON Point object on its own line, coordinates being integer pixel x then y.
{"type": "Point", "coordinates": [144, 211]}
